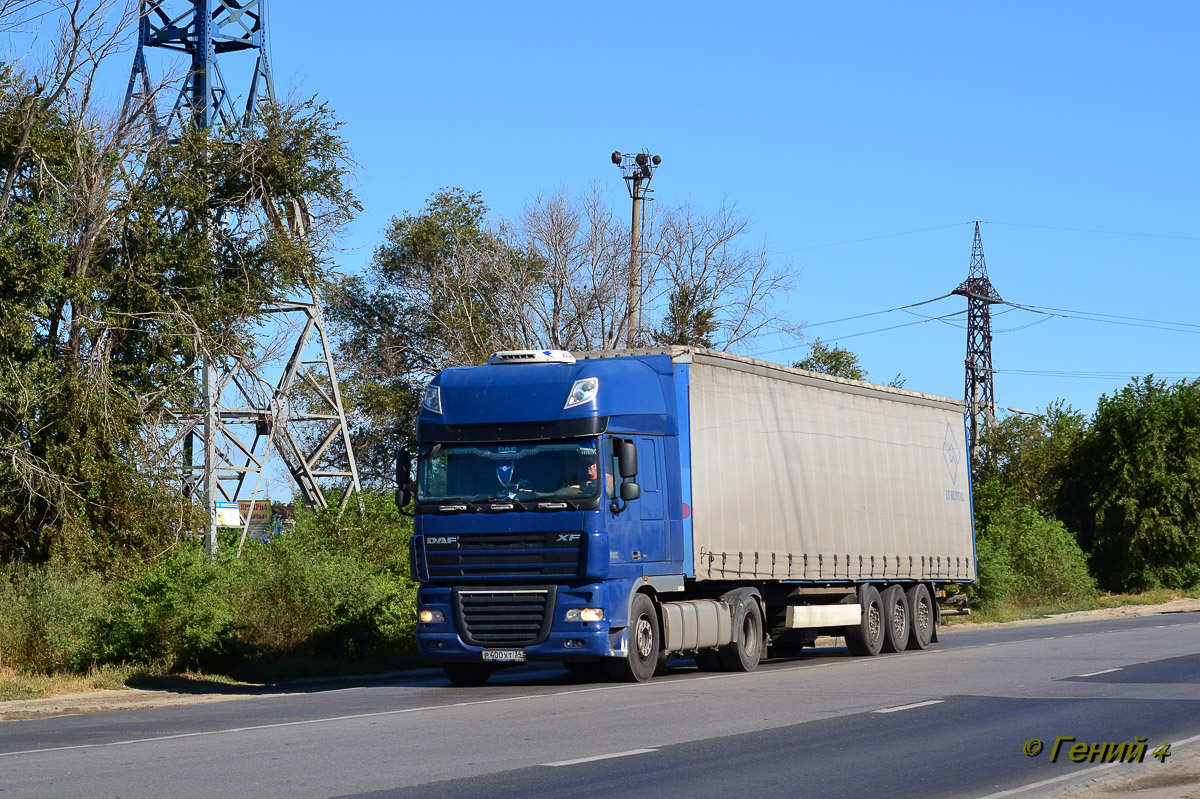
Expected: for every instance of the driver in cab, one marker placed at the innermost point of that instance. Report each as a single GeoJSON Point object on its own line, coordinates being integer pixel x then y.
{"type": "Point", "coordinates": [583, 481]}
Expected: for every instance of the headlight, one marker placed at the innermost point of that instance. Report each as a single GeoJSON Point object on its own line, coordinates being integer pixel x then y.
{"type": "Point", "coordinates": [583, 391]}
{"type": "Point", "coordinates": [429, 616]}
{"type": "Point", "coordinates": [585, 614]}
{"type": "Point", "coordinates": [433, 399]}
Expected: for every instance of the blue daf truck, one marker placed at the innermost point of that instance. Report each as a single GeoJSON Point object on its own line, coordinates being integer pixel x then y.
{"type": "Point", "coordinates": [616, 509]}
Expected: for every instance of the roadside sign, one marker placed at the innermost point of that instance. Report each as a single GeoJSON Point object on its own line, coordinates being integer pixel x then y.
{"type": "Point", "coordinates": [261, 515]}
{"type": "Point", "coordinates": [228, 514]}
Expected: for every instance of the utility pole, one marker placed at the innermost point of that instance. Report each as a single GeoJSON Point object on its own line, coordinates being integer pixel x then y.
{"type": "Point", "coordinates": [637, 169]}
{"type": "Point", "coordinates": [981, 295]}
{"type": "Point", "coordinates": [236, 400]}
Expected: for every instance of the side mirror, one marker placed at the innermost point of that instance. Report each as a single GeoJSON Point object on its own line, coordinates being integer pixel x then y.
{"type": "Point", "coordinates": [626, 457]}
{"type": "Point", "coordinates": [630, 491]}
{"type": "Point", "coordinates": [403, 476]}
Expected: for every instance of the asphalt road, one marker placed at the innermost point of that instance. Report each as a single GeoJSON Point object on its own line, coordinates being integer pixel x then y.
{"type": "Point", "coordinates": [951, 721]}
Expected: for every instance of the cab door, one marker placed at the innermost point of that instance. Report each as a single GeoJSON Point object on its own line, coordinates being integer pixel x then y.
{"type": "Point", "coordinates": [637, 534]}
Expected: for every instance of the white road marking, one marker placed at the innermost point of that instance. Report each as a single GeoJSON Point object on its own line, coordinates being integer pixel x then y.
{"type": "Point", "coordinates": [1074, 775]}
{"type": "Point", "coordinates": [306, 722]}
{"type": "Point", "coordinates": [594, 758]}
{"type": "Point", "coordinates": [1095, 673]}
{"type": "Point", "coordinates": [909, 707]}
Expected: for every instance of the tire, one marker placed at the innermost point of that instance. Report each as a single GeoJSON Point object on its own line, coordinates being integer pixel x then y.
{"type": "Point", "coordinates": [865, 639]}
{"type": "Point", "coordinates": [923, 617]}
{"type": "Point", "coordinates": [708, 660]}
{"type": "Point", "coordinates": [645, 641]}
{"type": "Point", "coordinates": [467, 673]}
{"type": "Point", "coordinates": [896, 619]}
{"type": "Point", "coordinates": [745, 651]}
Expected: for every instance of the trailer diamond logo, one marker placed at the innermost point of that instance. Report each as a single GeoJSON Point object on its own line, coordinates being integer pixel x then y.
{"type": "Point", "coordinates": [951, 453]}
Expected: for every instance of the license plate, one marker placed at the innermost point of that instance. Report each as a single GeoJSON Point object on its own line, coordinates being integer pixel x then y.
{"type": "Point", "coordinates": [504, 655]}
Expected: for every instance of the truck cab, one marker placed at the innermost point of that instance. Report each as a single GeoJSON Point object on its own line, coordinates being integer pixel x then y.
{"type": "Point", "coordinates": [547, 492]}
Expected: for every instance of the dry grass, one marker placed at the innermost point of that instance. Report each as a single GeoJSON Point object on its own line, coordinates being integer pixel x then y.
{"type": "Point", "coordinates": [1012, 612]}
{"type": "Point", "coordinates": [19, 685]}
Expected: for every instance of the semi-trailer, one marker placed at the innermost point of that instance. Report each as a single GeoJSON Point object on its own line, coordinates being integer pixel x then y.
{"type": "Point", "coordinates": [620, 508]}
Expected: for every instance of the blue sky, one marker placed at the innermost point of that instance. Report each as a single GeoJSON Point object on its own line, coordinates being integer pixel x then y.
{"type": "Point", "coordinates": [824, 124]}
{"type": "Point", "coordinates": [861, 141]}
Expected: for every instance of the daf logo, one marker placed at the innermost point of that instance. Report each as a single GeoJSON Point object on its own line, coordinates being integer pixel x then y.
{"type": "Point", "coordinates": [568, 536]}
{"type": "Point", "coordinates": [442, 539]}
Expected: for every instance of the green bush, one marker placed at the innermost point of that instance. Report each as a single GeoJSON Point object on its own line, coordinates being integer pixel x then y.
{"type": "Point", "coordinates": [1024, 557]}
{"type": "Point", "coordinates": [48, 617]}
{"type": "Point", "coordinates": [336, 586]}
{"type": "Point", "coordinates": [176, 610]}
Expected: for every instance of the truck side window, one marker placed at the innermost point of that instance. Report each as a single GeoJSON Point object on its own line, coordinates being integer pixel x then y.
{"type": "Point", "coordinates": [612, 475]}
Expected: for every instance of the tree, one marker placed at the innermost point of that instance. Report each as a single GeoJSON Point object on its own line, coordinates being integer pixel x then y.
{"type": "Point", "coordinates": [123, 254]}
{"type": "Point", "coordinates": [1135, 494]}
{"type": "Point", "coordinates": [700, 264]}
{"type": "Point", "coordinates": [834, 360]}
{"type": "Point", "coordinates": [448, 287]}
{"type": "Point", "coordinates": [420, 306]}
{"type": "Point", "coordinates": [689, 320]}
{"type": "Point", "coordinates": [1031, 455]}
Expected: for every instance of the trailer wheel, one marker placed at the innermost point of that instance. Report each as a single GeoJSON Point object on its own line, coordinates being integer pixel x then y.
{"type": "Point", "coordinates": [866, 637]}
{"type": "Point", "coordinates": [744, 652]}
{"type": "Point", "coordinates": [896, 619]}
{"type": "Point", "coordinates": [645, 640]}
{"type": "Point", "coordinates": [920, 630]}
{"type": "Point", "coordinates": [467, 673]}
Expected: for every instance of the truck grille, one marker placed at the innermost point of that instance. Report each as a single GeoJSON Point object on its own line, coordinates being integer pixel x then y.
{"type": "Point", "coordinates": [525, 555]}
{"type": "Point", "coordinates": [518, 617]}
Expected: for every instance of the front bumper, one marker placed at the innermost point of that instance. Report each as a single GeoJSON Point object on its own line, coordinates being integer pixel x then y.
{"type": "Point", "coordinates": [564, 640]}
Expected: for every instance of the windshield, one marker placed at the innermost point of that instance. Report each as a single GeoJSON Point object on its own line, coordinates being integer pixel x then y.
{"type": "Point", "coordinates": [491, 472]}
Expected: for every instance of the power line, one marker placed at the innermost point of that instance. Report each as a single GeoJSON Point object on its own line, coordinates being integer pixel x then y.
{"type": "Point", "coordinates": [1125, 375]}
{"type": "Point", "coordinates": [1104, 232]}
{"type": "Point", "coordinates": [877, 313]}
{"type": "Point", "coordinates": [906, 324]}
{"type": "Point", "coordinates": [1108, 316]}
{"type": "Point", "coordinates": [923, 320]}
{"type": "Point", "coordinates": [872, 238]}
{"type": "Point", "coordinates": [1111, 319]}
{"type": "Point", "coordinates": [1041, 321]}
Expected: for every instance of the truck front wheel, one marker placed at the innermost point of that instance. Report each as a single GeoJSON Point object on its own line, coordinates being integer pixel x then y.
{"type": "Point", "coordinates": [645, 639]}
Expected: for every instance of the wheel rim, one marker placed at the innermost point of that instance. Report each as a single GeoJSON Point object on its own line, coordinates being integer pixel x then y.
{"type": "Point", "coordinates": [899, 620]}
{"type": "Point", "coordinates": [923, 616]}
{"type": "Point", "coordinates": [874, 625]}
{"type": "Point", "coordinates": [644, 638]}
{"type": "Point", "coordinates": [750, 636]}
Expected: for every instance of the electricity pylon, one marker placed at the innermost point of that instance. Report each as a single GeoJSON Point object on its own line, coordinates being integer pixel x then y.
{"type": "Point", "coordinates": [244, 417]}
{"type": "Point", "coordinates": [981, 296]}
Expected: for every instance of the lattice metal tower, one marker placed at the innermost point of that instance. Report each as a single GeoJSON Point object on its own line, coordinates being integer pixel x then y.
{"type": "Point", "coordinates": [244, 417]}
{"type": "Point", "coordinates": [981, 296]}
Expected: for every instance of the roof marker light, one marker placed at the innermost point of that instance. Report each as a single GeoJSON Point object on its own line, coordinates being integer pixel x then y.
{"type": "Point", "coordinates": [531, 356]}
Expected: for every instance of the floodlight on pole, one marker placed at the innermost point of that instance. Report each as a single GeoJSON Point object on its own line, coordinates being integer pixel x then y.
{"type": "Point", "coordinates": [637, 169]}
